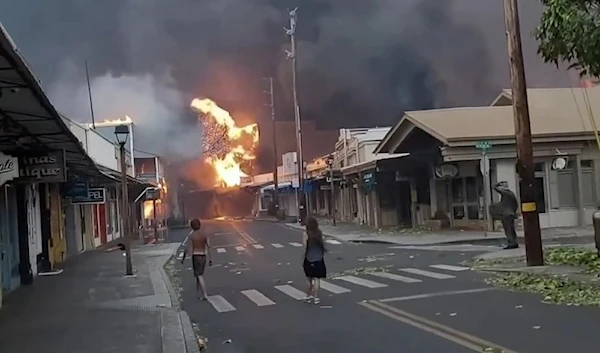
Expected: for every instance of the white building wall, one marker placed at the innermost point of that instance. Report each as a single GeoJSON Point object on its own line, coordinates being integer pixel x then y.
{"type": "Point", "coordinates": [100, 149]}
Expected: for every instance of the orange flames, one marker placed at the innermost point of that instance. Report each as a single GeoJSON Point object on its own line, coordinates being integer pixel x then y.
{"type": "Point", "coordinates": [228, 166]}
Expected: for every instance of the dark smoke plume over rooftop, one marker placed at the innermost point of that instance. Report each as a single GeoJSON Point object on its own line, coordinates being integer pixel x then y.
{"type": "Point", "coordinates": [361, 63]}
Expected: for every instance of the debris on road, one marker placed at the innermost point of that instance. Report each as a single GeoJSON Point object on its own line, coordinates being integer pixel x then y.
{"type": "Point", "coordinates": [228, 341]}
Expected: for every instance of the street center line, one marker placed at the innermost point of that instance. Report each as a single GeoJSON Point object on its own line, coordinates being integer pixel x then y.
{"type": "Point", "coordinates": [257, 297]}
{"type": "Point", "coordinates": [221, 250]}
{"type": "Point", "coordinates": [258, 246]}
{"type": "Point", "coordinates": [436, 294]}
{"type": "Point", "coordinates": [429, 274]}
{"type": "Point", "coordinates": [291, 291]}
{"type": "Point", "coordinates": [240, 248]}
{"type": "Point", "coordinates": [296, 244]}
{"type": "Point", "coordinates": [362, 282]}
{"type": "Point", "coordinates": [220, 303]}
{"type": "Point", "coordinates": [333, 288]}
{"type": "Point", "coordinates": [276, 245]}
{"type": "Point", "coordinates": [464, 339]}
{"type": "Point", "coordinates": [450, 268]}
{"type": "Point", "coordinates": [332, 241]}
{"type": "Point", "coordinates": [395, 277]}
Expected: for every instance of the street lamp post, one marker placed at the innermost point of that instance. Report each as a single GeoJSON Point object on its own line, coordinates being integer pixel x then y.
{"type": "Point", "coordinates": [122, 132]}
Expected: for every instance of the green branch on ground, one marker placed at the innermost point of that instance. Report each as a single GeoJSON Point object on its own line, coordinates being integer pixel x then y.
{"type": "Point", "coordinates": [569, 32]}
{"type": "Point", "coordinates": [586, 259]}
{"type": "Point", "coordinates": [555, 290]}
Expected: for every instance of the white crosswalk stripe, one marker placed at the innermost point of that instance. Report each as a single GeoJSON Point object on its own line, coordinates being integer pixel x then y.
{"type": "Point", "coordinates": [362, 282]}
{"type": "Point", "coordinates": [291, 291]}
{"type": "Point", "coordinates": [333, 288]}
{"type": "Point", "coordinates": [257, 297]}
{"type": "Point", "coordinates": [450, 267]}
{"type": "Point", "coordinates": [221, 250]}
{"type": "Point", "coordinates": [240, 248]}
{"type": "Point", "coordinates": [276, 245]}
{"type": "Point", "coordinates": [435, 275]}
{"type": "Point", "coordinates": [220, 303]}
{"type": "Point", "coordinates": [296, 244]}
{"type": "Point", "coordinates": [395, 277]}
{"type": "Point", "coordinates": [258, 246]}
{"type": "Point", "coordinates": [332, 241]}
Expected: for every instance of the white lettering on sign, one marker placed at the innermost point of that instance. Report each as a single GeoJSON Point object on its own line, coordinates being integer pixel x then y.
{"type": "Point", "coordinates": [9, 168]}
{"type": "Point", "coordinates": [96, 194]}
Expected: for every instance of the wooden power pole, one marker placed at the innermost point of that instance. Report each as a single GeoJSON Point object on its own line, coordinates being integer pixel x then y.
{"type": "Point", "coordinates": [525, 166]}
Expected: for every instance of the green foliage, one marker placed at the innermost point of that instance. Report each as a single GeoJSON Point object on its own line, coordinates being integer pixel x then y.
{"type": "Point", "coordinates": [569, 32]}
{"type": "Point", "coordinates": [586, 259]}
{"type": "Point", "coordinates": [555, 290]}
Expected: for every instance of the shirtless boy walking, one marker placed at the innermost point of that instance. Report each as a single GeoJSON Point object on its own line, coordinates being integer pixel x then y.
{"type": "Point", "coordinates": [198, 246]}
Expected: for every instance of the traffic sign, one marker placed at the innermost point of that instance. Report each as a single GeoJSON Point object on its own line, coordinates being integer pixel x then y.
{"type": "Point", "coordinates": [483, 145]}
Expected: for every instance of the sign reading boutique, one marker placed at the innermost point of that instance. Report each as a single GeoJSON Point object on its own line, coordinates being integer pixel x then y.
{"type": "Point", "coordinates": [43, 167]}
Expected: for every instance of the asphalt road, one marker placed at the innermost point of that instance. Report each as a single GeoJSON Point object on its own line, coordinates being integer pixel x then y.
{"type": "Point", "coordinates": [378, 299]}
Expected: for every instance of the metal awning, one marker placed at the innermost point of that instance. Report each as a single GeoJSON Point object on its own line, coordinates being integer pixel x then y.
{"type": "Point", "coordinates": [28, 121]}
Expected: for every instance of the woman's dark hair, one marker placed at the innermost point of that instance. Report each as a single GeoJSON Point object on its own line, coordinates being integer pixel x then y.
{"type": "Point", "coordinates": [314, 232]}
{"type": "Point", "coordinates": [195, 224]}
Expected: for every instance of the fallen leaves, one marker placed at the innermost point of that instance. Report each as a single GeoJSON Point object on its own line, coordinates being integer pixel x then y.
{"type": "Point", "coordinates": [360, 270]}
{"type": "Point", "coordinates": [586, 259]}
{"type": "Point", "coordinates": [555, 289]}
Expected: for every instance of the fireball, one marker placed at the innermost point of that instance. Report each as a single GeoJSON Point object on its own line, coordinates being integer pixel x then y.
{"type": "Point", "coordinates": [240, 143]}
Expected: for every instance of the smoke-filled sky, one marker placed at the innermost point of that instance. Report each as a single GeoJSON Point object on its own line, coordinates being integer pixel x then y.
{"type": "Point", "coordinates": [360, 63]}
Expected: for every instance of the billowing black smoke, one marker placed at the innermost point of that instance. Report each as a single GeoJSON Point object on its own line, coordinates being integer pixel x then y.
{"type": "Point", "coordinates": [361, 63]}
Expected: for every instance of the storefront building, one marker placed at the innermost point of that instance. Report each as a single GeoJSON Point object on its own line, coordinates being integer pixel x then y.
{"type": "Point", "coordinates": [453, 142]}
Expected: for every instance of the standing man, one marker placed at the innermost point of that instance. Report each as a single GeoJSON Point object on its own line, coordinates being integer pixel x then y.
{"type": "Point", "coordinates": [507, 209]}
{"type": "Point", "coordinates": [198, 246]}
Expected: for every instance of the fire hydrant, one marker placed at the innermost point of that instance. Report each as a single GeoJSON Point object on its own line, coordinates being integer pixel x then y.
{"type": "Point", "coordinates": [596, 220]}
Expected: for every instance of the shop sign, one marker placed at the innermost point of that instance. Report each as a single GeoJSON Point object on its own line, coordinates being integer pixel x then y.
{"type": "Point", "coordinates": [46, 167]}
{"type": "Point", "coordinates": [9, 168]}
{"type": "Point", "coordinates": [94, 196]}
{"type": "Point", "coordinates": [77, 190]}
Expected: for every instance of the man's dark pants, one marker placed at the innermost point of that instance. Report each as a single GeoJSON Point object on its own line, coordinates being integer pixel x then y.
{"type": "Point", "coordinates": [508, 223]}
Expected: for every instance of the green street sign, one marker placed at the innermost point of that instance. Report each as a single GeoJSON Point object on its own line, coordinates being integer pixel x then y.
{"type": "Point", "coordinates": [483, 145]}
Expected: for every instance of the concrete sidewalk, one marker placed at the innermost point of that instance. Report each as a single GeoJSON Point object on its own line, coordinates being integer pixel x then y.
{"type": "Point", "coordinates": [91, 307]}
{"type": "Point", "coordinates": [409, 237]}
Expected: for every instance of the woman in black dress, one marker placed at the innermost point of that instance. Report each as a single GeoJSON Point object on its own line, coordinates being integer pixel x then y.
{"type": "Point", "coordinates": [314, 259]}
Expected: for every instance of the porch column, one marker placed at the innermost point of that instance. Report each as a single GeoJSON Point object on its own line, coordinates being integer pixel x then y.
{"type": "Point", "coordinates": [579, 191]}
{"type": "Point", "coordinates": [433, 196]}
{"type": "Point", "coordinates": [413, 203]}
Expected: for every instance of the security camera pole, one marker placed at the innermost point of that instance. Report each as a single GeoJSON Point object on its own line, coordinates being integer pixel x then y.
{"type": "Point", "coordinates": [300, 160]}
{"type": "Point", "coordinates": [525, 166]}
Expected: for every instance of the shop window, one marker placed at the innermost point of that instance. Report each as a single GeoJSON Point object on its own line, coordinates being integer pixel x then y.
{"type": "Point", "coordinates": [465, 198]}
{"type": "Point", "coordinates": [588, 185]}
{"type": "Point", "coordinates": [566, 189]}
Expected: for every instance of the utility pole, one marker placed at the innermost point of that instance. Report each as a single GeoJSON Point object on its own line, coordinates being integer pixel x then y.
{"type": "Point", "coordinates": [299, 155]}
{"type": "Point", "coordinates": [89, 86]}
{"type": "Point", "coordinates": [332, 191]}
{"type": "Point", "coordinates": [525, 166]}
{"type": "Point", "coordinates": [275, 156]}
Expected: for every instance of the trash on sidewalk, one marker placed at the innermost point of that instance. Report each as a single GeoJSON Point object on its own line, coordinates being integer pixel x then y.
{"type": "Point", "coordinates": [326, 307]}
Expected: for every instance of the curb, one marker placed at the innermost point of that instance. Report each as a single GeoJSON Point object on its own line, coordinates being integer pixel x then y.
{"type": "Point", "coordinates": [190, 340]}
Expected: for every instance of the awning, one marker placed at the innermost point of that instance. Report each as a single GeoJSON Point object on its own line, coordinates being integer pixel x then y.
{"type": "Point", "coordinates": [372, 164]}
{"type": "Point", "coordinates": [28, 121]}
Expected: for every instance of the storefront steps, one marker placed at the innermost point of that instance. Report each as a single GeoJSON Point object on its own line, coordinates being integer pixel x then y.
{"type": "Point", "coordinates": [350, 232]}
